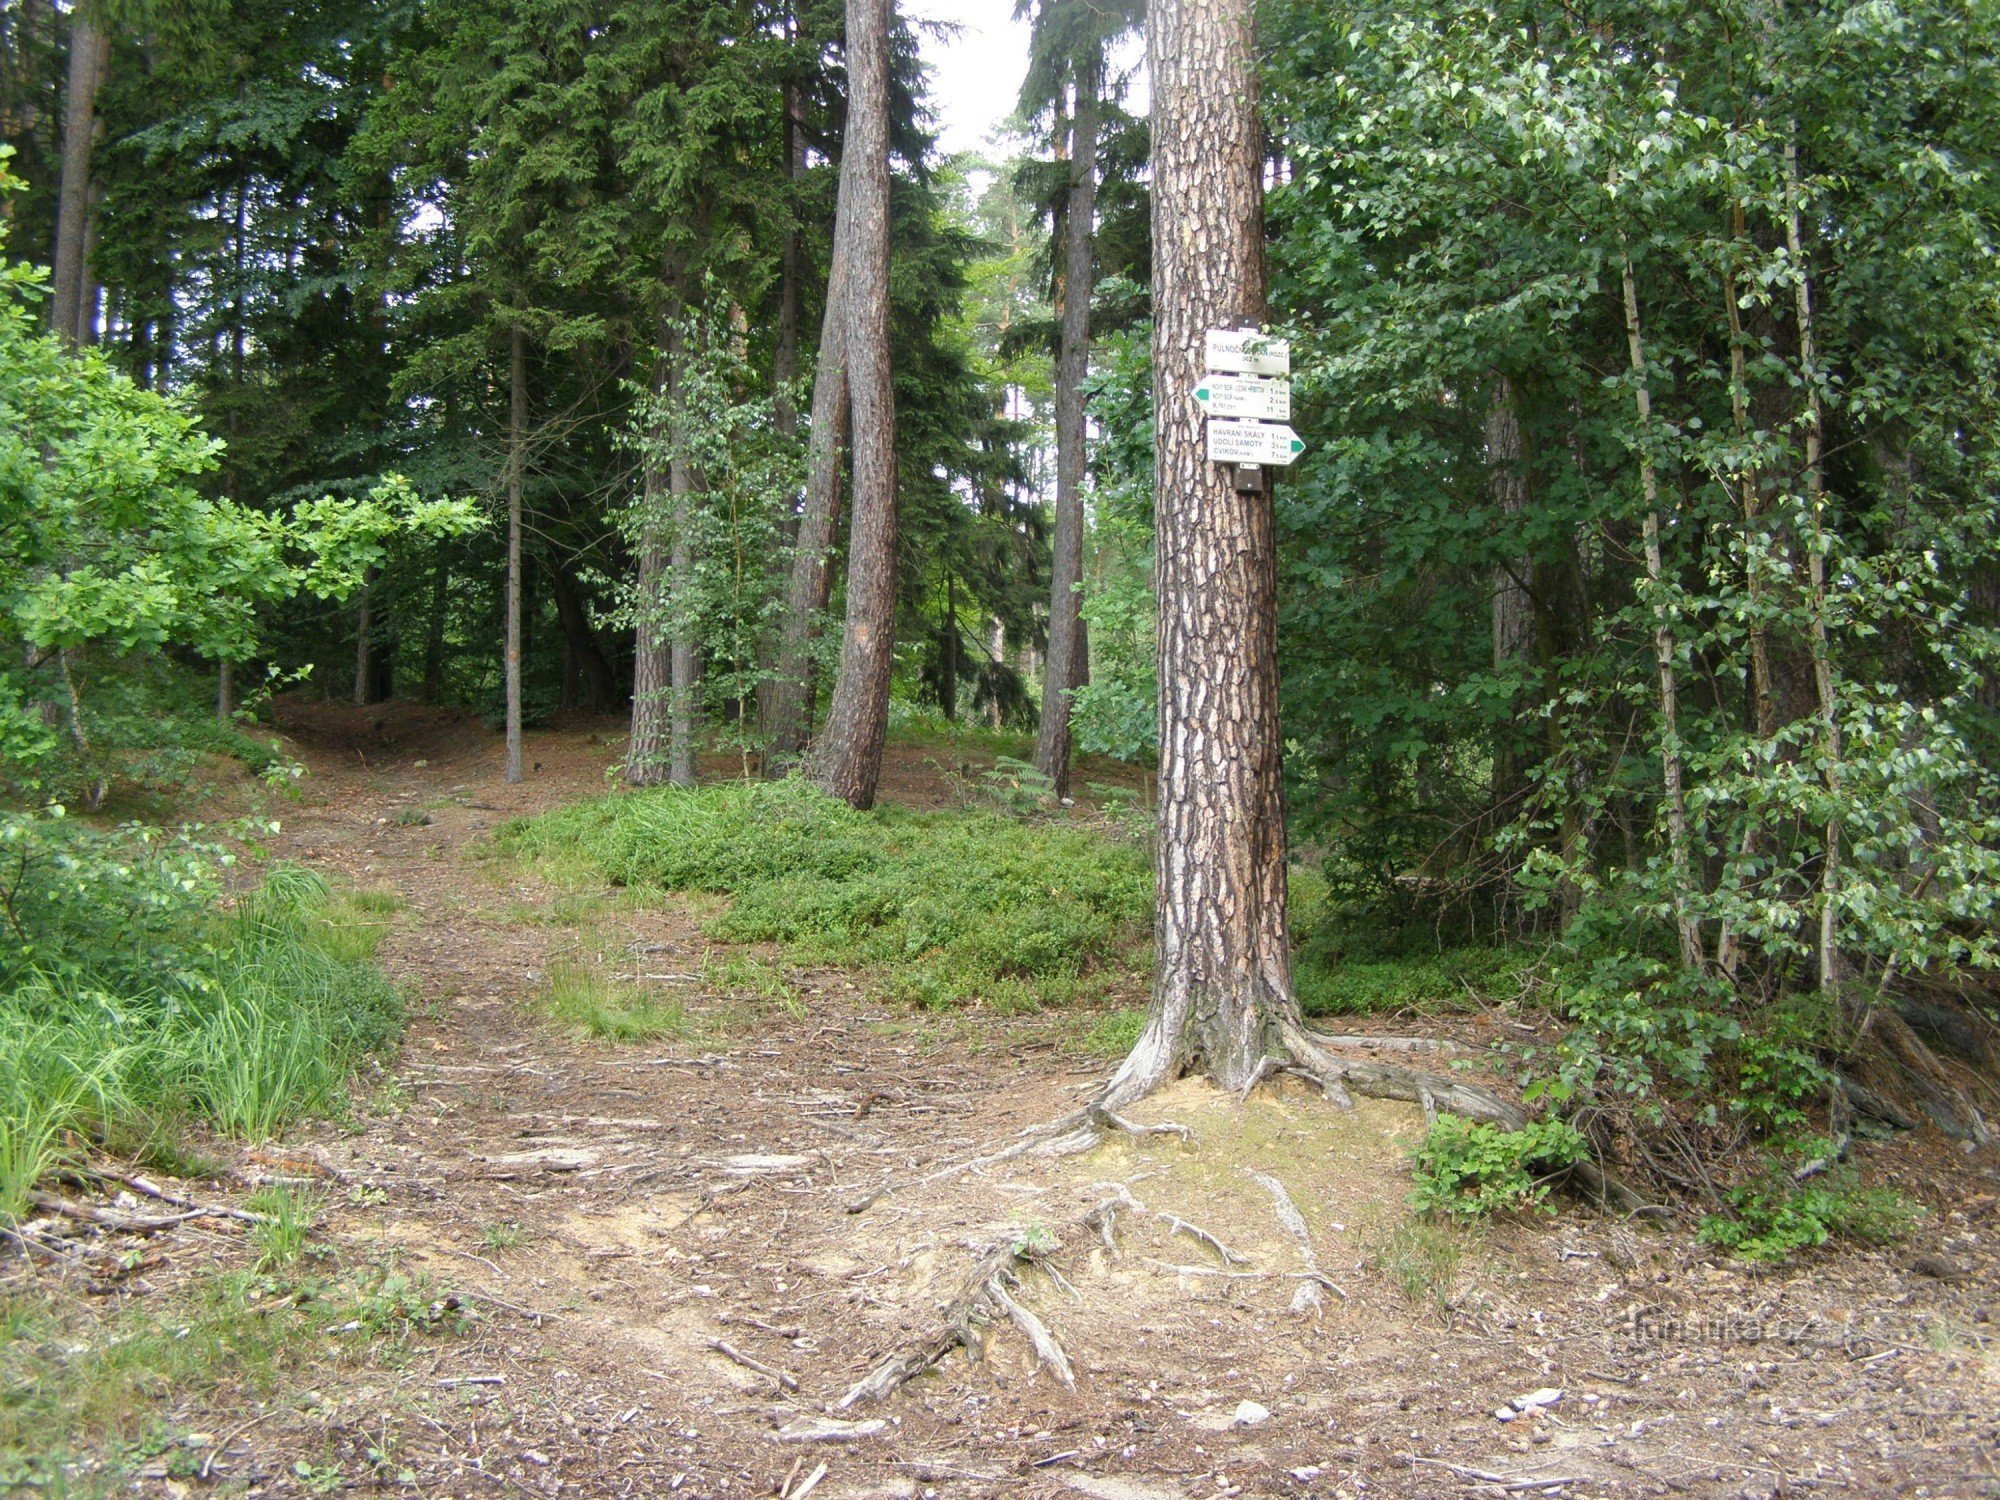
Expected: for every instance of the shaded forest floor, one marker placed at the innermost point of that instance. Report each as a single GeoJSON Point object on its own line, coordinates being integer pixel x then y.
{"type": "Point", "coordinates": [587, 1222]}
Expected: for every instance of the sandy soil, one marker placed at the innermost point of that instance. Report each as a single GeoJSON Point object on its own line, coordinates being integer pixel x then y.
{"type": "Point", "coordinates": [616, 1213]}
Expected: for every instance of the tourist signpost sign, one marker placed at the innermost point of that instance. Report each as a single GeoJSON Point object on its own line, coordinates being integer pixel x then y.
{"type": "Point", "coordinates": [1232, 442]}
{"type": "Point", "coordinates": [1247, 398]}
{"type": "Point", "coordinates": [1265, 400]}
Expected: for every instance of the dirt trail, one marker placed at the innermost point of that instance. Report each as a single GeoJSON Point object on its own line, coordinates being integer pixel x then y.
{"type": "Point", "coordinates": [619, 1211]}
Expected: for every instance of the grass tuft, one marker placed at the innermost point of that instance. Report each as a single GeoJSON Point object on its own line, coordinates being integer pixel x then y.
{"type": "Point", "coordinates": [259, 1026]}
{"type": "Point", "coordinates": [585, 998]}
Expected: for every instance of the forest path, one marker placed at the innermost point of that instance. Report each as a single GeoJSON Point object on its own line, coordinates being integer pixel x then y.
{"type": "Point", "coordinates": [616, 1211]}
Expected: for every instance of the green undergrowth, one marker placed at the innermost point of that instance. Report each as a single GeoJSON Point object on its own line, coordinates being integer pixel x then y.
{"type": "Point", "coordinates": [954, 908]}
{"type": "Point", "coordinates": [1010, 910]}
{"type": "Point", "coordinates": [1774, 1217]}
{"type": "Point", "coordinates": [1467, 1170]}
{"type": "Point", "coordinates": [244, 1018]}
{"type": "Point", "coordinates": [93, 1392]}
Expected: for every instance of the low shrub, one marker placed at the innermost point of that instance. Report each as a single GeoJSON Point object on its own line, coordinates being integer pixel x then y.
{"type": "Point", "coordinates": [1467, 1170]}
{"type": "Point", "coordinates": [1774, 1217]}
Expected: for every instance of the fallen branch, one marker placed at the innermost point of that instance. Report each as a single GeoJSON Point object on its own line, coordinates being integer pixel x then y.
{"type": "Point", "coordinates": [781, 1378]}
{"type": "Point", "coordinates": [146, 1187]}
{"type": "Point", "coordinates": [106, 1218]}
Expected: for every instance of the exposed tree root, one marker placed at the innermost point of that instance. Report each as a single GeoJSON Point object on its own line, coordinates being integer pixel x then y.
{"type": "Point", "coordinates": [1309, 1057]}
{"type": "Point", "coordinates": [984, 1296]}
{"type": "Point", "coordinates": [977, 1299]}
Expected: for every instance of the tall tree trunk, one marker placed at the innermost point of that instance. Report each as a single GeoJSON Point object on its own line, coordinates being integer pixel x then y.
{"type": "Point", "coordinates": [681, 719]}
{"type": "Point", "coordinates": [1822, 650]}
{"type": "Point", "coordinates": [517, 462]}
{"type": "Point", "coordinates": [225, 691]}
{"type": "Point", "coordinates": [90, 302]}
{"type": "Point", "coordinates": [1222, 993]}
{"type": "Point", "coordinates": [785, 351]}
{"type": "Point", "coordinates": [1052, 744]}
{"type": "Point", "coordinates": [89, 58]}
{"type": "Point", "coordinates": [847, 757]}
{"type": "Point", "coordinates": [434, 635]}
{"type": "Point", "coordinates": [1513, 608]}
{"type": "Point", "coordinates": [948, 651]}
{"type": "Point", "coordinates": [652, 662]}
{"type": "Point", "coordinates": [787, 702]}
{"type": "Point", "coordinates": [592, 671]}
{"type": "Point", "coordinates": [364, 640]}
{"type": "Point", "coordinates": [1686, 928]}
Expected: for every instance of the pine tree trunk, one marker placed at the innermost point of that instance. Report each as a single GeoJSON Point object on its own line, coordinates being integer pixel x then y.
{"type": "Point", "coordinates": [652, 662]}
{"type": "Point", "coordinates": [517, 458]}
{"type": "Point", "coordinates": [1222, 995]}
{"type": "Point", "coordinates": [787, 701]}
{"type": "Point", "coordinates": [1052, 745]}
{"type": "Point", "coordinates": [847, 757]}
{"type": "Point", "coordinates": [90, 304]}
{"type": "Point", "coordinates": [89, 58]}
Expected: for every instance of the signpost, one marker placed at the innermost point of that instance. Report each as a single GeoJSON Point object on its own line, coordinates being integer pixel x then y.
{"type": "Point", "coordinates": [1247, 398]}
{"type": "Point", "coordinates": [1233, 442]}
{"type": "Point", "coordinates": [1243, 396]}
{"type": "Point", "coordinates": [1245, 351]}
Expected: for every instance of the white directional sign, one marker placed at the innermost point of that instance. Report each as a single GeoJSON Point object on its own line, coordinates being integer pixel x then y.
{"type": "Point", "coordinates": [1248, 352]}
{"type": "Point", "coordinates": [1245, 396]}
{"type": "Point", "coordinates": [1234, 442]}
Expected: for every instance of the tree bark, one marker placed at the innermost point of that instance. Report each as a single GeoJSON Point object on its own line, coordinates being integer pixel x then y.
{"type": "Point", "coordinates": [593, 672]}
{"type": "Point", "coordinates": [434, 635]}
{"type": "Point", "coordinates": [681, 718]}
{"type": "Point", "coordinates": [948, 651]}
{"type": "Point", "coordinates": [787, 703]}
{"type": "Point", "coordinates": [1686, 928]}
{"type": "Point", "coordinates": [1822, 650]}
{"type": "Point", "coordinates": [1513, 608]}
{"type": "Point", "coordinates": [1222, 993]}
{"type": "Point", "coordinates": [364, 639]}
{"type": "Point", "coordinates": [1052, 744]}
{"type": "Point", "coordinates": [847, 757]}
{"type": "Point", "coordinates": [517, 458]}
{"type": "Point", "coordinates": [89, 58]}
{"type": "Point", "coordinates": [652, 662]}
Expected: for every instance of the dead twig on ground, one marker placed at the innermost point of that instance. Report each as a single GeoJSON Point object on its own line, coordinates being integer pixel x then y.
{"type": "Point", "coordinates": [783, 1379]}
